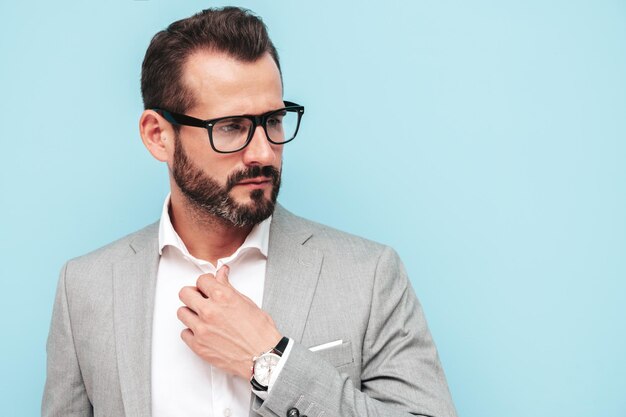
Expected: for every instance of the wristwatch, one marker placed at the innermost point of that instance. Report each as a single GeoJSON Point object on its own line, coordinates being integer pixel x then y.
{"type": "Point", "coordinates": [265, 363]}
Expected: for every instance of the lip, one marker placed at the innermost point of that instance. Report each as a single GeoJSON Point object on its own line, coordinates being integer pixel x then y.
{"type": "Point", "coordinates": [256, 181]}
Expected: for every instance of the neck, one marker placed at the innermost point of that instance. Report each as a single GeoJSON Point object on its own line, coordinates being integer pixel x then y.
{"type": "Point", "coordinates": [206, 237]}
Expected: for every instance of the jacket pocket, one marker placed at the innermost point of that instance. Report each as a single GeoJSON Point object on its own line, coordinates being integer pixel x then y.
{"type": "Point", "coordinates": [337, 355]}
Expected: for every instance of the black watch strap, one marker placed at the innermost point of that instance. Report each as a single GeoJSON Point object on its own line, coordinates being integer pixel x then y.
{"type": "Point", "coordinates": [281, 346]}
{"type": "Point", "coordinates": [256, 386]}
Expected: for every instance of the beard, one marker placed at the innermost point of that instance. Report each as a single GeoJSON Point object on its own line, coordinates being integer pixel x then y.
{"type": "Point", "coordinates": [209, 197]}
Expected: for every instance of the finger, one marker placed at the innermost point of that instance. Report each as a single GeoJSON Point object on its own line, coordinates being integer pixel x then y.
{"type": "Point", "coordinates": [192, 298]}
{"type": "Point", "coordinates": [188, 337]}
{"type": "Point", "coordinates": [222, 275]}
{"type": "Point", "coordinates": [188, 318]}
{"type": "Point", "coordinates": [204, 283]}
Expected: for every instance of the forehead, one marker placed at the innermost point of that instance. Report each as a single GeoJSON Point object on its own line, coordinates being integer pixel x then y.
{"type": "Point", "coordinates": [223, 85]}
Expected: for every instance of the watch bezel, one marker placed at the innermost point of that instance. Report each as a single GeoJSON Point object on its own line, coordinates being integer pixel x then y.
{"type": "Point", "coordinates": [277, 352]}
{"type": "Point", "coordinates": [263, 380]}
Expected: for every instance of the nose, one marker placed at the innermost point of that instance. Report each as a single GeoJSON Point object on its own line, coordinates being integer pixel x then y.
{"type": "Point", "coordinates": [259, 151]}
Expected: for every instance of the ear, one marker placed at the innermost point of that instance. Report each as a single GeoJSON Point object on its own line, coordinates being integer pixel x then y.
{"type": "Point", "coordinates": [157, 135]}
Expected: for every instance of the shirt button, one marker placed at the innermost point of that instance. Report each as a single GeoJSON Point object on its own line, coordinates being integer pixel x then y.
{"type": "Point", "coordinates": [227, 412]}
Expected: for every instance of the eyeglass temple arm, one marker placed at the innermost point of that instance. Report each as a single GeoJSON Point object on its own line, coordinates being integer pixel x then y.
{"type": "Point", "coordinates": [292, 104]}
{"type": "Point", "coordinates": [180, 119]}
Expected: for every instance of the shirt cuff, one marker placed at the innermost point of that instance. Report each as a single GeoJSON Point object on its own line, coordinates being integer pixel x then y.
{"type": "Point", "coordinates": [274, 376]}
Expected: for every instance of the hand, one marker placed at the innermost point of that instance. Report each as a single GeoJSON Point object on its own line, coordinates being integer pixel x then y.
{"type": "Point", "coordinates": [224, 327]}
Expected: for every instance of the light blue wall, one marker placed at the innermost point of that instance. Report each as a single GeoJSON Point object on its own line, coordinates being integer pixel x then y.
{"type": "Point", "coordinates": [484, 140]}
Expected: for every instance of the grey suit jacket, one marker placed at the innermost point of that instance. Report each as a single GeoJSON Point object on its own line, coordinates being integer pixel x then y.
{"type": "Point", "coordinates": [321, 285]}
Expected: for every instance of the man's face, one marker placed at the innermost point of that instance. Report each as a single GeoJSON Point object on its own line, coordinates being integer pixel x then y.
{"type": "Point", "coordinates": [239, 188]}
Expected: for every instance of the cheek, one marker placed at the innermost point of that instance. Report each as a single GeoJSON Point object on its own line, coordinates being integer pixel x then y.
{"type": "Point", "coordinates": [212, 166]}
{"type": "Point", "coordinates": [278, 151]}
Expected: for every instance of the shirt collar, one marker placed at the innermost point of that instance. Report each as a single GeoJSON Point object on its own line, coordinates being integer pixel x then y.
{"type": "Point", "coordinates": [257, 238]}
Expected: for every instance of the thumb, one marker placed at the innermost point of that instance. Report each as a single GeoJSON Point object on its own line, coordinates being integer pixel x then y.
{"type": "Point", "coordinates": [222, 275]}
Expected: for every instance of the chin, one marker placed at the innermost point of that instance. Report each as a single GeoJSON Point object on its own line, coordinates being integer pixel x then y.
{"type": "Point", "coordinates": [252, 198]}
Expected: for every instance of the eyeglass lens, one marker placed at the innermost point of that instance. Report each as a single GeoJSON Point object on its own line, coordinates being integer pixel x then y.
{"type": "Point", "coordinates": [232, 133]}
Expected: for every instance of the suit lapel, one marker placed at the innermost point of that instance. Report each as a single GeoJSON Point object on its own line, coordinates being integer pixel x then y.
{"type": "Point", "coordinates": [291, 276]}
{"type": "Point", "coordinates": [290, 279]}
{"type": "Point", "coordinates": [134, 283]}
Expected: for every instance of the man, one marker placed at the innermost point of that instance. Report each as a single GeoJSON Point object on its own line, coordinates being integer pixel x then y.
{"type": "Point", "coordinates": [230, 305]}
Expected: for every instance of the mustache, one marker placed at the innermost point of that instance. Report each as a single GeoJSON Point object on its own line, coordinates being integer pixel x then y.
{"type": "Point", "coordinates": [268, 171]}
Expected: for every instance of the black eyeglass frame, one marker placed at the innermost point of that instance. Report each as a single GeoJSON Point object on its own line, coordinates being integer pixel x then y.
{"type": "Point", "coordinates": [257, 120]}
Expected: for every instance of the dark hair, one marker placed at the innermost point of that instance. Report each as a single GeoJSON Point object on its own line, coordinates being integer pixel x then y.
{"type": "Point", "coordinates": [232, 30]}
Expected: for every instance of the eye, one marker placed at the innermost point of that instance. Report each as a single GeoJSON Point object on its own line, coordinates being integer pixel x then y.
{"type": "Point", "coordinates": [275, 119]}
{"type": "Point", "coordinates": [231, 126]}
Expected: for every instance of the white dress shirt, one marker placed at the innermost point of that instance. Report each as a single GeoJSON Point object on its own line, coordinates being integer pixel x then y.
{"type": "Point", "coordinates": [182, 383]}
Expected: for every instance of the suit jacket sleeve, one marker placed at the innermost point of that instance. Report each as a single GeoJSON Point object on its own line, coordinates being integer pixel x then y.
{"type": "Point", "coordinates": [64, 393]}
{"type": "Point", "coordinates": [400, 371]}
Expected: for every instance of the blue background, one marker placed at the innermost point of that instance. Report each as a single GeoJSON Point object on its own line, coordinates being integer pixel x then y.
{"type": "Point", "coordinates": [484, 140]}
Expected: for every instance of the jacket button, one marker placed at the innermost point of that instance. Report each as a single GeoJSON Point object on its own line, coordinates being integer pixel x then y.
{"type": "Point", "coordinates": [293, 412]}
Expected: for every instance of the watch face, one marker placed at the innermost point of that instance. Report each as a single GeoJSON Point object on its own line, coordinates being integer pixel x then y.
{"type": "Point", "coordinates": [264, 366]}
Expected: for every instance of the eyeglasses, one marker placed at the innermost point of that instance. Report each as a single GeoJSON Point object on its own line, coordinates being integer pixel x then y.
{"type": "Point", "coordinates": [233, 133]}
